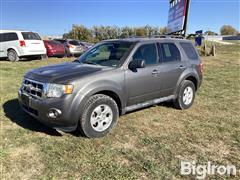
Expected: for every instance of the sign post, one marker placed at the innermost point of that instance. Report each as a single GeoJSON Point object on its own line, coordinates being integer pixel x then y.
{"type": "Point", "coordinates": [178, 17]}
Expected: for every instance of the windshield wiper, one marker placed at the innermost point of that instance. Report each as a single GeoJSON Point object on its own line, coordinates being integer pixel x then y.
{"type": "Point", "coordinates": [90, 62]}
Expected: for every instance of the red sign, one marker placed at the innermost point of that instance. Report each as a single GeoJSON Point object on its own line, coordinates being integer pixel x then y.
{"type": "Point", "coordinates": [177, 15]}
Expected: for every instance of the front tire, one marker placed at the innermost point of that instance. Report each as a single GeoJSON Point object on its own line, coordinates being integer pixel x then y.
{"type": "Point", "coordinates": [186, 95]}
{"type": "Point", "coordinates": [12, 55]}
{"type": "Point", "coordinates": [100, 115]}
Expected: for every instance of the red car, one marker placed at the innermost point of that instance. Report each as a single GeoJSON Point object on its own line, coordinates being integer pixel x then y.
{"type": "Point", "coordinates": [54, 48]}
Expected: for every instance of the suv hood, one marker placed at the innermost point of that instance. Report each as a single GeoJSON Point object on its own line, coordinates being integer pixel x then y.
{"type": "Point", "coordinates": [62, 73]}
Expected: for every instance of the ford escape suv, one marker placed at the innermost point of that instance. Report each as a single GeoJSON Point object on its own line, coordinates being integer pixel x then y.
{"type": "Point", "coordinates": [110, 79]}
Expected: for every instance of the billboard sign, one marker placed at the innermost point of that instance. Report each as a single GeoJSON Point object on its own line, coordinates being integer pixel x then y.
{"type": "Point", "coordinates": [177, 15]}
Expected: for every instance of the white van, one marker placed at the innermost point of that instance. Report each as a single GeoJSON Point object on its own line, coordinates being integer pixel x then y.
{"type": "Point", "coordinates": [15, 44]}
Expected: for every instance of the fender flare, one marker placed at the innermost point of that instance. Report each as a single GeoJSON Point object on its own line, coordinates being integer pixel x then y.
{"type": "Point", "coordinates": [183, 77]}
{"type": "Point", "coordinates": [82, 96]}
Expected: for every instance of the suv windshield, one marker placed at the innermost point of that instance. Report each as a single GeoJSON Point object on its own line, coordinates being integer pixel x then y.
{"type": "Point", "coordinates": [107, 54]}
{"type": "Point", "coordinates": [30, 36]}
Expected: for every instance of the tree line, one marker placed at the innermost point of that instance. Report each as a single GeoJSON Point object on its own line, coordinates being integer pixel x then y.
{"type": "Point", "coordinates": [98, 33]}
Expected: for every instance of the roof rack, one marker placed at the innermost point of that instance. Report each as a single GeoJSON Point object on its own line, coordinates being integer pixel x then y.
{"type": "Point", "coordinates": [156, 36]}
{"type": "Point", "coordinates": [168, 36]}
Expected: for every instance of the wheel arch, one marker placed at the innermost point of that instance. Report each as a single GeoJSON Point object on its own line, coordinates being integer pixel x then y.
{"type": "Point", "coordinates": [13, 48]}
{"type": "Point", "coordinates": [194, 80]}
{"type": "Point", "coordinates": [188, 76]}
{"type": "Point", "coordinates": [82, 97]}
{"type": "Point", "coordinates": [114, 96]}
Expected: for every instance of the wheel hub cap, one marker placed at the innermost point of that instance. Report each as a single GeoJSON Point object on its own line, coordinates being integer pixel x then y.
{"type": "Point", "coordinates": [101, 118]}
{"type": "Point", "coordinates": [188, 95]}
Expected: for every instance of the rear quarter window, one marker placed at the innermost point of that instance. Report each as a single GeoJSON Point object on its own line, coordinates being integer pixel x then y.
{"type": "Point", "coordinates": [189, 50]}
{"type": "Point", "coordinates": [30, 36]}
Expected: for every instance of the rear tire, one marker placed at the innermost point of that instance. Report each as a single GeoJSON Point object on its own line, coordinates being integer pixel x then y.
{"type": "Point", "coordinates": [100, 115]}
{"type": "Point", "coordinates": [43, 57]}
{"type": "Point", "coordinates": [12, 55]}
{"type": "Point", "coordinates": [186, 95]}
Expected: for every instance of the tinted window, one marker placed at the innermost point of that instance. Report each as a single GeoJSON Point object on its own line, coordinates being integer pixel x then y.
{"type": "Point", "coordinates": [74, 43]}
{"type": "Point", "coordinates": [60, 40]}
{"type": "Point", "coordinates": [54, 42]}
{"type": "Point", "coordinates": [148, 53]}
{"type": "Point", "coordinates": [30, 36]}
{"type": "Point", "coordinates": [169, 52]}
{"type": "Point", "coordinates": [189, 50]}
{"type": "Point", "coordinates": [8, 37]}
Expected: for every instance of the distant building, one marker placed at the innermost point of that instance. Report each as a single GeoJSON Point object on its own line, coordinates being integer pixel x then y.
{"type": "Point", "coordinates": [220, 38]}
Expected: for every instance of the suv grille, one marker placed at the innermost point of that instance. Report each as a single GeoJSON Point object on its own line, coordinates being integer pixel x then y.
{"type": "Point", "coordinates": [33, 88]}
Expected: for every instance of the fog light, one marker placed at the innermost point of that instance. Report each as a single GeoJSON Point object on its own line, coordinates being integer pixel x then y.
{"type": "Point", "coordinates": [54, 113]}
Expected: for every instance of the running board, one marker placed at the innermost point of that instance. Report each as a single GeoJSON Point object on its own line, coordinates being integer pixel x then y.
{"type": "Point", "coordinates": [148, 103]}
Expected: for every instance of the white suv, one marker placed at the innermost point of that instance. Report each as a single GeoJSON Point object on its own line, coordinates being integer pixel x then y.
{"type": "Point", "coordinates": [16, 44]}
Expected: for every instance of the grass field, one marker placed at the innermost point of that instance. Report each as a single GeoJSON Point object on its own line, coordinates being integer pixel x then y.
{"type": "Point", "coordinates": [146, 144]}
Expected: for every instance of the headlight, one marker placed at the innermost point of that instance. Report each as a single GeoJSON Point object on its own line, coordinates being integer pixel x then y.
{"type": "Point", "coordinates": [58, 90]}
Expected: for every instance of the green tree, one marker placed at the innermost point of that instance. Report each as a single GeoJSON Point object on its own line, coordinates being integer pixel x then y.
{"type": "Point", "coordinates": [163, 30]}
{"type": "Point", "coordinates": [228, 30]}
{"type": "Point", "coordinates": [99, 33]}
{"type": "Point", "coordinates": [142, 32]}
{"type": "Point", "coordinates": [211, 33]}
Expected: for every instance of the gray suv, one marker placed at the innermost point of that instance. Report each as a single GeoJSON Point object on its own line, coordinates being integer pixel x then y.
{"type": "Point", "coordinates": [110, 79]}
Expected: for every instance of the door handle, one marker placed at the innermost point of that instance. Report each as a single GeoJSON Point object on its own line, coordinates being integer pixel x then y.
{"type": "Point", "coordinates": [182, 67]}
{"type": "Point", "coordinates": [155, 72]}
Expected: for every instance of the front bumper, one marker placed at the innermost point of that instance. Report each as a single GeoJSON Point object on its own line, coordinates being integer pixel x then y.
{"type": "Point", "coordinates": [39, 109]}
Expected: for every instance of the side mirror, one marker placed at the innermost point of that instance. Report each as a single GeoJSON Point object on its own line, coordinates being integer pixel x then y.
{"type": "Point", "coordinates": [137, 63]}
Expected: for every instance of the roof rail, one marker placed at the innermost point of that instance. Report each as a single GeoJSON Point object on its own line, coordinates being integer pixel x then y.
{"type": "Point", "coordinates": [168, 36]}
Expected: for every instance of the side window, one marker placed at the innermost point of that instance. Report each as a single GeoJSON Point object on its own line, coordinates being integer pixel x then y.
{"type": "Point", "coordinates": [1, 37]}
{"type": "Point", "coordinates": [169, 52]}
{"type": "Point", "coordinates": [12, 37]}
{"type": "Point", "coordinates": [189, 50]}
{"type": "Point", "coordinates": [148, 53]}
{"type": "Point", "coordinates": [8, 37]}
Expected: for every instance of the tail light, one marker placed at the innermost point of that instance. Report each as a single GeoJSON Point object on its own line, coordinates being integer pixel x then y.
{"type": "Point", "coordinates": [22, 43]}
{"type": "Point", "coordinates": [201, 67]}
{"type": "Point", "coordinates": [70, 46]}
{"type": "Point", "coordinates": [49, 46]}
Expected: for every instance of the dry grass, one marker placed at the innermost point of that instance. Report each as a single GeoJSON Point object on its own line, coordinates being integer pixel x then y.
{"type": "Point", "coordinates": [146, 144]}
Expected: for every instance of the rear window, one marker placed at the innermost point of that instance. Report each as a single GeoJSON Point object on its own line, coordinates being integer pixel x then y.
{"type": "Point", "coordinates": [60, 40]}
{"type": "Point", "coordinates": [8, 37]}
{"type": "Point", "coordinates": [74, 43]}
{"type": "Point", "coordinates": [53, 42]}
{"type": "Point", "coordinates": [189, 50]}
{"type": "Point", "coordinates": [30, 36]}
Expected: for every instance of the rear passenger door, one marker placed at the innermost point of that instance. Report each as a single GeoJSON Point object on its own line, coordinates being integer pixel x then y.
{"type": "Point", "coordinates": [171, 67]}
